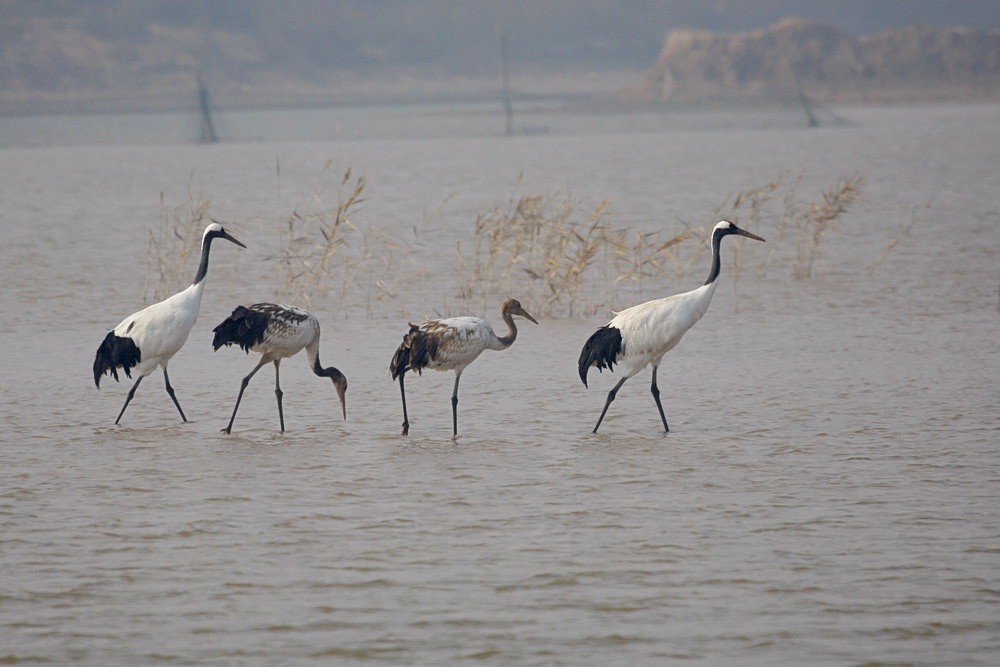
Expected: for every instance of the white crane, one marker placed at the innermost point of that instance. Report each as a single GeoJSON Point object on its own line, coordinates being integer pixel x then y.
{"type": "Point", "coordinates": [149, 338]}
{"type": "Point", "coordinates": [276, 332]}
{"type": "Point", "coordinates": [451, 344]}
{"type": "Point", "coordinates": [641, 335]}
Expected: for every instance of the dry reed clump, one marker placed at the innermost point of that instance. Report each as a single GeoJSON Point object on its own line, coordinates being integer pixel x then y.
{"type": "Point", "coordinates": [314, 237]}
{"type": "Point", "coordinates": [545, 250]}
{"type": "Point", "coordinates": [557, 256]}
{"type": "Point", "coordinates": [561, 259]}
{"type": "Point", "coordinates": [749, 209]}
{"type": "Point", "coordinates": [172, 244]}
{"type": "Point", "coordinates": [325, 250]}
{"type": "Point", "coordinates": [774, 210]}
{"type": "Point", "coordinates": [816, 218]}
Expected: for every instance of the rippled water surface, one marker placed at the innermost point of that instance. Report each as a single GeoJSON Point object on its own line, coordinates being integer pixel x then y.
{"type": "Point", "coordinates": [828, 493]}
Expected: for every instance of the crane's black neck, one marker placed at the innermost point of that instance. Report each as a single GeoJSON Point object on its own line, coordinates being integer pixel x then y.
{"type": "Point", "coordinates": [716, 261]}
{"type": "Point", "coordinates": [206, 245]}
{"type": "Point", "coordinates": [329, 372]}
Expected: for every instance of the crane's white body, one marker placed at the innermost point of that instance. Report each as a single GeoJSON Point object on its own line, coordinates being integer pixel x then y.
{"type": "Point", "coordinates": [460, 341]}
{"type": "Point", "coordinates": [290, 329]}
{"type": "Point", "coordinates": [276, 331]}
{"type": "Point", "coordinates": [451, 344]}
{"type": "Point", "coordinates": [650, 330]}
{"type": "Point", "coordinates": [161, 329]}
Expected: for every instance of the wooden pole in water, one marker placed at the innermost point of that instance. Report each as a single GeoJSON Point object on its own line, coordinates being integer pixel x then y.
{"type": "Point", "coordinates": [208, 135]}
{"type": "Point", "coordinates": [806, 106]}
{"type": "Point", "coordinates": [505, 84]}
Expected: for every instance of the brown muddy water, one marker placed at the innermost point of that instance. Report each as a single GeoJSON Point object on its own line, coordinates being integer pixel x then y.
{"type": "Point", "coordinates": [828, 494]}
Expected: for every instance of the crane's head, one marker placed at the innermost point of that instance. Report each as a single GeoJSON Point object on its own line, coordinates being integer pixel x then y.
{"type": "Point", "coordinates": [725, 227]}
{"type": "Point", "coordinates": [215, 231]}
{"type": "Point", "coordinates": [513, 307]}
{"type": "Point", "coordinates": [340, 384]}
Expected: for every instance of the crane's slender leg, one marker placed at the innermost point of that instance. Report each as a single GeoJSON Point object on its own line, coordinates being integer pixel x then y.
{"type": "Point", "coordinates": [611, 397]}
{"type": "Point", "coordinates": [170, 390]}
{"type": "Point", "coordinates": [239, 397]}
{"type": "Point", "coordinates": [454, 405]}
{"type": "Point", "coordinates": [402, 394]}
{"type": "Point", "coordinates": [653, 389]}
{"type": "Point", "coordinates": [131, 393]}
{"type": "Point", "coordinates": [278, 393]}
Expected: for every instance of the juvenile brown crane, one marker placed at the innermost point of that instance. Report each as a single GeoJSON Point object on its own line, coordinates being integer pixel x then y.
{"type": "Point", "coordinates": [451, 344]}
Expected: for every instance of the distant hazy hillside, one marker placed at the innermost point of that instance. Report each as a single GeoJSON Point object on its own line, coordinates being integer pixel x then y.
{"type": "Point", "coordinates": [145, 54]}
{"type": "Point", "coordinates": [92, 55]}
{"type": "Point", "coordinates": [902, 65]}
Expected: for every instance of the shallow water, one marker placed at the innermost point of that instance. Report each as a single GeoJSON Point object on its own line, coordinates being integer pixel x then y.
{"type": "Point", "coordinates": [827, 494]}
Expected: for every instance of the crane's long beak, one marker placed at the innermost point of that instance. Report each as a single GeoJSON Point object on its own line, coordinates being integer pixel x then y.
{"type": "Point", "coordinates": [523, 313]}
{"type": "Point", "coordinates": [341, 388]}
{"type": "Point", "coordinates": [226, 236]}
{"type": "Point", "coordinates": [743, 232]}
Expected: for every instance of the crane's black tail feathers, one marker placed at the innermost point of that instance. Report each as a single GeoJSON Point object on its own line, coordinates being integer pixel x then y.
{"type": "Point", "coordinates": [601, 350]}
{"type": "Point", "coordinates": [114, 352]}
{"type": "Point", "coordinates": [244, 327]}
{"type": "Point", "coordinates": [414, 353]}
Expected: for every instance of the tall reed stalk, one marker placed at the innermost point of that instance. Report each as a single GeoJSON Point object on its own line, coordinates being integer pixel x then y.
{"type": "Point", "coordinates": [817, 218]}
{"type": "Point", "coordinates": [172, 247]}
{"type": "Point", "coordinates": [315, 236]}
{"type": "Point", "coordinates": [325, 252]}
